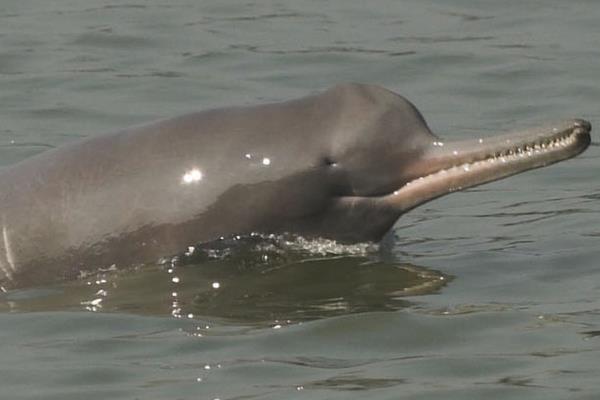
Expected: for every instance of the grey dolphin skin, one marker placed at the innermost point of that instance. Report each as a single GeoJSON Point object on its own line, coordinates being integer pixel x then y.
{"type": "Point", "coordinates": [344, 164]}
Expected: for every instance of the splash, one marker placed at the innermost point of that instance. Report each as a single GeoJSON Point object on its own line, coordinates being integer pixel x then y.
{"type": "Point", "coordinates": [260, 248]}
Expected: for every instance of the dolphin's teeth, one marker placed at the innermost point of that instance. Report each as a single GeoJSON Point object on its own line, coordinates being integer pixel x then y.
{"type": "Point", "coordinates": [509, 154]}
{"type": "Point", "coordinates": [522, 151]}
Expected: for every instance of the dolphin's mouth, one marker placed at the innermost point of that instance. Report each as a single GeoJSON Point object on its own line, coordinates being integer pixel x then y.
{"type": "Point", "coordinates": [453, 166]}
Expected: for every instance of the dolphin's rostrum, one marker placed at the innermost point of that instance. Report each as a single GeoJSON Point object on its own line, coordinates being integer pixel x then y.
{"type": "Point", "coordinates": [343, 164]}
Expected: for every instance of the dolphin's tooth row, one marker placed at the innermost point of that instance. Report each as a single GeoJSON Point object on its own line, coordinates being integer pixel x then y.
{"type": "Point", "coordinates": [506, 155]}
{"type": "Point", "coordinates": [534, 148]}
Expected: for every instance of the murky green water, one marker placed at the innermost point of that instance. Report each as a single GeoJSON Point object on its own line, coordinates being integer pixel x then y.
{"type": "Point", "coordinates": [519, 319]}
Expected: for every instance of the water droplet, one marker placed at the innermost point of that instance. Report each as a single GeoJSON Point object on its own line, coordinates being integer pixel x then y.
{"type": "Point", "coordinates": [96, 302]}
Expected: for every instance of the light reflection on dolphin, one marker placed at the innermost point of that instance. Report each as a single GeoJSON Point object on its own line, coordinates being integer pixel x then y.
{"type": "Point", "coordinates": [344, 164]}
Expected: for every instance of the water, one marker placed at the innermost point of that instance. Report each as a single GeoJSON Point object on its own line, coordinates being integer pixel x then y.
{"type": "Point", "coordinates": [519, 320]}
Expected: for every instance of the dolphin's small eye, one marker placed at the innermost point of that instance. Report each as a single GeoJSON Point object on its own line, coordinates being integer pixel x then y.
{"type": "Point", "coordinates": [327, 161]}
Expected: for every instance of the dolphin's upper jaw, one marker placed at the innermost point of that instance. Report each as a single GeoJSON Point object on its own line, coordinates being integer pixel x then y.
{"type": "Point", "coordinates": [455, 166]}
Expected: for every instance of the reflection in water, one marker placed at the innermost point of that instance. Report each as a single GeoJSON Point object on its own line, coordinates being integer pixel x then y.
{"type": "Point", "coordinates": [310, 289]}
{"type": "Point", "coordinates": [255, 280]}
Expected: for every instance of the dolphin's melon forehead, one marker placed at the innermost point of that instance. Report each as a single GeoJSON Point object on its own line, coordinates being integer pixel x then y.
{"type": "Point", "coordinates": [380, 102]}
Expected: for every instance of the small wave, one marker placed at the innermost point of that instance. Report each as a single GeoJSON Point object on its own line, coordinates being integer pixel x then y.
{"type": "Point", "coordinates": [271, 248]}
{"type": "Point", "coordinates": [325, 247]}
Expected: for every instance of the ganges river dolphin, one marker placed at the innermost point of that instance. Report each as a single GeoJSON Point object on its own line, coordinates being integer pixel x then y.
{"type": "Point", "coordinates": [343, 164]}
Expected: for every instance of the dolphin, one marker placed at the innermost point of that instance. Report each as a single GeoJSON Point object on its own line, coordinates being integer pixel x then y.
{"type": "Point", "coordinates": [344, 164]}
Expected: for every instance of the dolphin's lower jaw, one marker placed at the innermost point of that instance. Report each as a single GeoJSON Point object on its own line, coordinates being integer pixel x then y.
{"type": "Point", "coordinates": [465, 164]}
